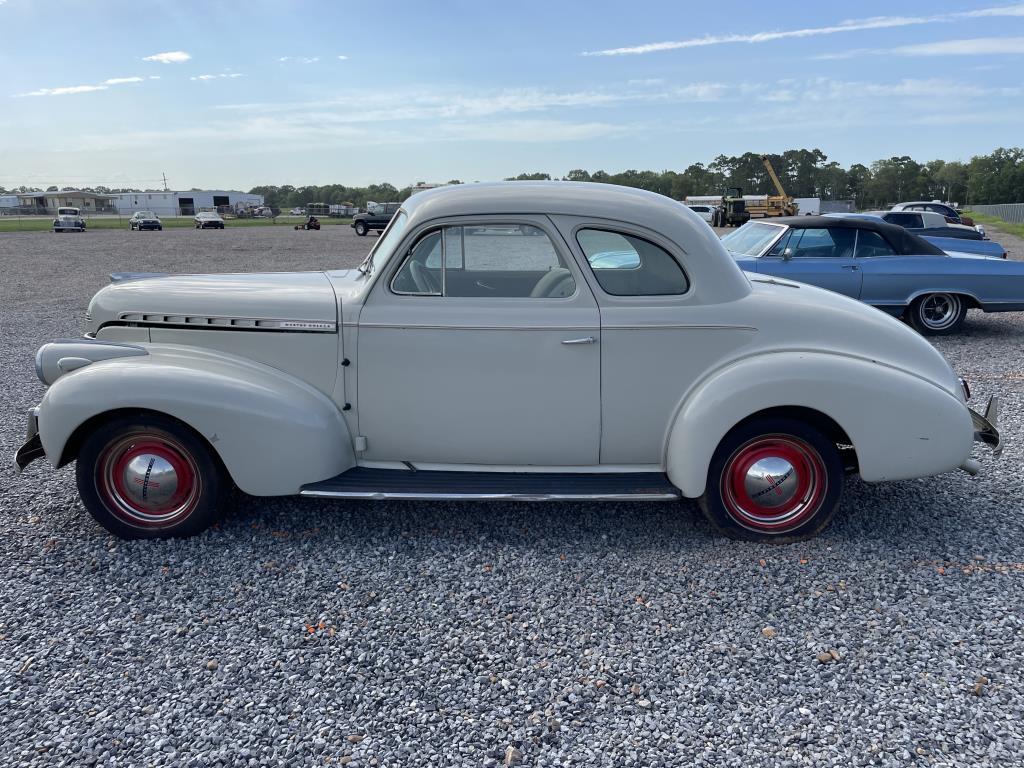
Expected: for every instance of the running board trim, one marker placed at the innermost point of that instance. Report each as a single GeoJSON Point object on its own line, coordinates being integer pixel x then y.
{"type": "Point", "coordinates": [447, 485]}
{"type": "Point", "coordinates": [442, 496]}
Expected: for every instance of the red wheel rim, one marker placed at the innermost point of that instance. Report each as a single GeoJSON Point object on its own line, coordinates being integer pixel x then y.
{"type": "Point", "coordinates": [774, 484]}
{"type": "Point", "coordinates": [148, 480]}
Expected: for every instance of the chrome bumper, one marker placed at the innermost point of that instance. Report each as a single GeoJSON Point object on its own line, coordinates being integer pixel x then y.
{"type": "Point", "coordinates": [33, 447]}
{"type": "Point", "coordinates": [986, 427]}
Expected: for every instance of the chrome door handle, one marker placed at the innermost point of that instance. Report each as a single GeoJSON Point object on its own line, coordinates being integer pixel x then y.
{"type": "Point", "coordinates": [852, 267]}
{"type": "Point", "coordinates": [584, 340]}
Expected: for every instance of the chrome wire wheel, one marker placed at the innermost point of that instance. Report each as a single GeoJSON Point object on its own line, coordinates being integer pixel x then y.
{"type": "Point", "coordinates": [940, 311]}
{"type": "Point", "coordinates": [148, 480]}
{"type": "Point", "coordinates": [773, 484]}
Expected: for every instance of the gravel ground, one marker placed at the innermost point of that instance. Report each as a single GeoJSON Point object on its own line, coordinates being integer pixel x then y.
{"type": "Point", "coordinates": [401, 634]}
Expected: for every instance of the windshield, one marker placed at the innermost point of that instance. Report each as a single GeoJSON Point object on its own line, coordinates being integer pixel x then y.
{"type": "Point", "coordinates": [752, 238]}
{"type": "Point", "coordinates": [386, 244]}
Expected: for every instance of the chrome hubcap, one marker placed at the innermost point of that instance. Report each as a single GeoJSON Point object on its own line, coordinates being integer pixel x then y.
{"type": "Point", "coordinates": [771, 482]}
{"type": "Point", "coordinates": [940, 310]}
{"type": "Point", "coordinates": [149, 481]}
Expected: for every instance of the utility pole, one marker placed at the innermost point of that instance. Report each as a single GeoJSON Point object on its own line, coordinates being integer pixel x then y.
{"type": "Point", "coordinates": [165, 181]}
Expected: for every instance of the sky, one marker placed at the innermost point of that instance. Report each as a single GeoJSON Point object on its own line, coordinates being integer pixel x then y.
{"type": "Point", "coordinates": [231, 95]}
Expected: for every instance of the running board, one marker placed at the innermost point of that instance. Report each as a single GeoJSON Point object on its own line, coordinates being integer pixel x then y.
{"type": "Point", "coordinates": [381, 484]}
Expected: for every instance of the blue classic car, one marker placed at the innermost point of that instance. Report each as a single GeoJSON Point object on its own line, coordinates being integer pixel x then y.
{"type": "Point", "coordinates": [881, 264]}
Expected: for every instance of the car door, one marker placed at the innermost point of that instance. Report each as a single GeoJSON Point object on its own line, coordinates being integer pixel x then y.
{"type": "Point", "coordinates": [822, 256]}
{"type": "Point", "coordinates": [480, 345]}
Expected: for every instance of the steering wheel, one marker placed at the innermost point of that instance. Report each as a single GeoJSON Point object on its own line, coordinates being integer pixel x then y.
{"type": "Point", "coordinates": [425, 282]}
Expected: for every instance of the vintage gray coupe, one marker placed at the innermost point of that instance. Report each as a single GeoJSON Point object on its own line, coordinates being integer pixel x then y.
{"type": "Point", "coordinates": [883, 265]}
{"type": "Point", "coordinates": [512, 341]}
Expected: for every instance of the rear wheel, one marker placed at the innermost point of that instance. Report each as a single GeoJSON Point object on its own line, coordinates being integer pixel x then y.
{"type": "Point", "coordinates": [938, 314]}
{"type": "Point", "coordinates": [149, 476]}
{"type": "Point", "coordinates": [773, 479]}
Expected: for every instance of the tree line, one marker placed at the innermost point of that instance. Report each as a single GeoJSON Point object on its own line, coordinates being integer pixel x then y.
{"type": "Point", "coordinates": [997, 177]}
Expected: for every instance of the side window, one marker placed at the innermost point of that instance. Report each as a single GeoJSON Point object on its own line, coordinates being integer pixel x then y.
{"type": "Point", "coordinates": [825, 243]}
{"type": "Point", "coordinates": [625, 265]}
{"type": "Point", "coordinates": [779, 249]}
{"type": "Point", "coordinates": [907, 220]}
{"type": "Point", "coordinates": [499, 261]}
{"type": "Point", "coordinates": [872, 244]}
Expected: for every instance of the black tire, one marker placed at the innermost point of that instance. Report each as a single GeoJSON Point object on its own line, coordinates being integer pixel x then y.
{"type": "Point", "coordinates": [361, 229]}
{"type": "Point", "coordinates": [115, 472]}
{"type": "Point", "coordinates": [806, 484]}
{"type": "Point", "coordinates": [937, 314]}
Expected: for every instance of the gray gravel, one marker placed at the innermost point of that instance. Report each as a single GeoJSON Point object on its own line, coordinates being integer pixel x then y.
{"type": "Point", "coordinates": [390, 634]}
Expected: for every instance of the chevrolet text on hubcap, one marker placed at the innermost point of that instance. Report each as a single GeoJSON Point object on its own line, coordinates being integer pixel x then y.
{"type": "Point", "coordinates": [148, 480]}
{"type": "Point", "coordinates": [774, 484]}
{"type": "Point", "coordinates": [940, 310]}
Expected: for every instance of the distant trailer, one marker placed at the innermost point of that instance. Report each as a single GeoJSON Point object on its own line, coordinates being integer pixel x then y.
{"type": "Point", "coordinates": [807, 206]}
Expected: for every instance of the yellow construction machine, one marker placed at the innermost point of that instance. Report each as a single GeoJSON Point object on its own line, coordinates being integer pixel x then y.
{"type": "Point", "coordinates": [780, 204]}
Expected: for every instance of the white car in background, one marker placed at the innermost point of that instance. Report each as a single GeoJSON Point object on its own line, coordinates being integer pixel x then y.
{"type": "Point", "coordinates": [706, 212]}
{"type": "Point", "coordinates": [519, 341]}
{"type": "Point", "coordinates": [69, 220]}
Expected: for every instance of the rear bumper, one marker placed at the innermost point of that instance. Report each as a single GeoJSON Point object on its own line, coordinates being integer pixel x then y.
{"type": "Point", "coordinates": [33, 447]}
{"type": "Point", "coordinates": [986, 426]}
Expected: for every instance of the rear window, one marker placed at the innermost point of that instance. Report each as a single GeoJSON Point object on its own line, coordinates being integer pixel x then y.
{"type": "Point", "coordinates": [626, 265]}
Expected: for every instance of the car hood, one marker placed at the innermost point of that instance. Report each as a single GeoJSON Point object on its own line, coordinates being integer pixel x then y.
{"type": "Point", "coordinates": [271, 301]}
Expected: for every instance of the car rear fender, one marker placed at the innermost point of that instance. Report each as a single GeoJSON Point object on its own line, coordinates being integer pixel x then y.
{"type": "Point", "coordinates": [901, 426]}
{"type": "Point", "coordinates": [273, 432]}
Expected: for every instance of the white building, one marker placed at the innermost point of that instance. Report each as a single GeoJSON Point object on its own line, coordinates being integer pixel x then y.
{"type": "Point", "coordinates": [185, 203]}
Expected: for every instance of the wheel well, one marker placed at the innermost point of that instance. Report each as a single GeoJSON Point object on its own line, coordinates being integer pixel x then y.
{"type": "Point", "coordinates": [969, 301]}
{"type": "Point", "coordinates": [820, 421]}
{"type": "Point", "coordinates": [83, 430]}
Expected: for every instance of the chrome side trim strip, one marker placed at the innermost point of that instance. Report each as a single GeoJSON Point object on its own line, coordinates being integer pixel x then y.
{"type": "Point", "coordinates": [441, 496]}
{"type": "Point", "coordinates": [227, 322]}
{"type": "Point", "coordinates": [653, 327]}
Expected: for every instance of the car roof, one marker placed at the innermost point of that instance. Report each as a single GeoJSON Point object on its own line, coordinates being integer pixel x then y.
{"type": "Point", "coordinates": [904, 242]}
{"type": "Point", "coordinates": [593, 202]}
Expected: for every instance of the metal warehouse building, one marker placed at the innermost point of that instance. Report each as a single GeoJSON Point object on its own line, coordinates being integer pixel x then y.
{"type": "Point", "coordinates": [185, 203]}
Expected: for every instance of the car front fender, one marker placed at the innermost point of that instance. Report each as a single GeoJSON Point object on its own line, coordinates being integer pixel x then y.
{"type": "Point", "coordinates": [901, 425]}
{"type": "Point", "coordinates": [273, 432]}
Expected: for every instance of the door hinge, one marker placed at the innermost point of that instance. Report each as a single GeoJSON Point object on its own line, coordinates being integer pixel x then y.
{"type": "Point", "coordinates": [360, 444]}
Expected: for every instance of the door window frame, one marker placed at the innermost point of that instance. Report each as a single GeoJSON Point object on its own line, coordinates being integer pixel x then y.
{"type": "Point", "coordinates": [543, 223]}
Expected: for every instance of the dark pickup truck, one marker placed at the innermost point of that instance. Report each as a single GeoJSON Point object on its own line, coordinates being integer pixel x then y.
{"type": "Point", "coordinates": [378, 217]}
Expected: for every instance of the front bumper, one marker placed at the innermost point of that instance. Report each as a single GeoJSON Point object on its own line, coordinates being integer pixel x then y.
{"type": "Point", "coordinates": [33, 447]}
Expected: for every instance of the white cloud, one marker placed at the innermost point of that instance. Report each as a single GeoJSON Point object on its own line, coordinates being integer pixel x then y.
{"type": "Point", "coordinates": [342, 58]}
{"type": "Point", "coordinates": [168, 57]}
{"type": "Point", "coordinates": [853, 25]}
{"type": "Point", "coordinates": [67, 90]}
{"type": "Point", "coordinates": [217, 77]}
{"type": "Point", "coordinates": [978, 46]}
{"type": "Point", "coordinates": [299, 59]}
{"type": "Point", "coordinates": [646, 81]}
{"type": "Point", "coordinates": [154, 77]}
{"type": "Point", "coordinates": [64, 90]}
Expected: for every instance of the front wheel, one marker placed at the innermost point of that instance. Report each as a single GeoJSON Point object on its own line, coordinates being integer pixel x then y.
{"type": "Point", "coordinates": [148, 476]}
{"type": "Point", "coordinates": [773, 480]}
{"type": "Point", "coordinates": [361, 229]}
{"type": "Point", "coordinates": [937, 314]}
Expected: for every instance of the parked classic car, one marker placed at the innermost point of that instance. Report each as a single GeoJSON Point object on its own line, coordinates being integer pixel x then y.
{"type": "Point", "coordinates": [69, 220]}
{"type": "Point", "coordinates": [208, 220]}
{"type": "Point", "coordinates": [954, 246]}
{"type": "Point", "coordinates": [377, 217]}
{"type": "Point", "coordinates": [882, 265]}
{"type": "Point", "coordinates": [496, 344]}
{"type": "Point", "coordinates": [141, 220]}
{"type": "Point", "coordinates": [929, 223]}
{"type": "Point", "coordinates": [935, 206]}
